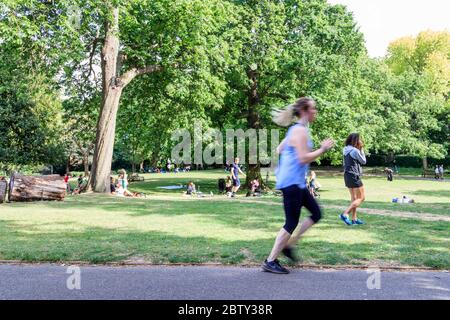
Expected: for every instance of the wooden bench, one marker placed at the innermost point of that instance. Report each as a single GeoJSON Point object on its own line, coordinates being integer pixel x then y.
{"type": "Point", "coordinates": [376, 171]}
{"type": "Point", "coordinates": [135, 178]}
{"type": "Point", "coordinates": [428, 172]}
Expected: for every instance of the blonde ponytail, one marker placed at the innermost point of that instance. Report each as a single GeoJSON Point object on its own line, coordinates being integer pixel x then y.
{"type": "Point", "coordinates": [283, 118]}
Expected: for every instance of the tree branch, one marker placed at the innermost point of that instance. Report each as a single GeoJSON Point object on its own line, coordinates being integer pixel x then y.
{"type": "Point", "coordinates": [131, 74]}
{"type": "Point", "coordinates": [92, 54]}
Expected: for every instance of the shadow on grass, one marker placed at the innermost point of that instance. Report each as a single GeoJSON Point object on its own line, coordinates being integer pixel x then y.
{"type": "Point", "coordinates": [397, 241]}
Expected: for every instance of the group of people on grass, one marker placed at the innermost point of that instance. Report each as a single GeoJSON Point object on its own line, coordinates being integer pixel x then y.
{"type": "Point", "coordinates": [119, 186]}
{"type": "Point", "coordinates": [82, 183]}
{"type": "Point", "coordinates": [233, 182]}
{"type": "Point", "coordinates": [170, 167]}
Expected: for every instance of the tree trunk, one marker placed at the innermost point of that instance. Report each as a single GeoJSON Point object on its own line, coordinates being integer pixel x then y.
{"type": "Point", "coordinates": [254, 122]}
{"type": "Point", "coordinates": [133, 167]}
{"type": "Point", "coordinates": [106, 126]}
{"type": "Point", "coordinates": [425, 163]}
{"type": "Point", "coordinates": [35, 188]}
{"type": "Point", "coordinates": [254, 172]}
{"type": "Point", "coordinates": [86, 164]}
{"type": "Point", "coordinates": [3, 189]}
{"type": "Point", "coordinates": [112, 83]}
{"type": "Point", "coordinates": [68, 163]}
{"type": "Point", "coordinates": [141, 166]}
{"type": "Point", "coordinates": [390, 158]}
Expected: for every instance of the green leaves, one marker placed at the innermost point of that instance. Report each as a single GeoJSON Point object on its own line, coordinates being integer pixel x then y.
{"type": "Point", "coordinates": [228, 63]}
{"type": "Point", "coordinates": [422, 85]}
{"type": "Point", "coordinates": [31, 128]}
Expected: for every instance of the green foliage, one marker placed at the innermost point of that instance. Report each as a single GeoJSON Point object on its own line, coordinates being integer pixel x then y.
{"type": "Point", "coordinates": [422, 86]}
{"type": "Point", "coordinates": [226, 63]}
{"type": "Point", "coordinates": [30, 128]}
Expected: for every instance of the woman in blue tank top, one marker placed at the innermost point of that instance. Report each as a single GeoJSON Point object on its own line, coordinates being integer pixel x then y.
{"type": "Point", "coordinates": [296, 155]}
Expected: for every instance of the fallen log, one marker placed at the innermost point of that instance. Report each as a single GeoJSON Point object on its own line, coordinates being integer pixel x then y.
{"type": "Point", "coordinates": [36, 188]}
{"type": "Point", "coordinates": [3, 185]}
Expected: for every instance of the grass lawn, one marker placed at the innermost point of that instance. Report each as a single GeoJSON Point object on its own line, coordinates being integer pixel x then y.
{"type": "Point", "coordinates": [167, 227]}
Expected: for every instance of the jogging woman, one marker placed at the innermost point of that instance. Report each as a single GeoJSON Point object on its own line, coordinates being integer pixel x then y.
{"type": "Point", "coordinates": [296, 155]}
{"type": "Point", "coordinates": [354, 157]}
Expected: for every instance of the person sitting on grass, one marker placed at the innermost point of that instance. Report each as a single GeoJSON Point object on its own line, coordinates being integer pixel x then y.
{"type": "Point", "coordinates": [79, 181]}
{"type": "Point", "coordinates": [121, 192]}
{"type": "Point", "coordinates": [123, 179]}
{"type": "Point", "coordinates": [190, 188]}
{"type": "Point", "coordinates": [112, 185]}
{"type": "Point", "coordinates": [405, 199]}
{"type": "Point", "coordinates": [82, 185]}
{"type": "Point", "coordinates": [313, 184]}
{"type": "Point", "coordinates": [254, 188]}
{"type": "Point", "coordinates": [228, 185]}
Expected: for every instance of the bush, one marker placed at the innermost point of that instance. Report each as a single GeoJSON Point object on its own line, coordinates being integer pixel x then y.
{"type": "Point", "coordinates": [380, 160]}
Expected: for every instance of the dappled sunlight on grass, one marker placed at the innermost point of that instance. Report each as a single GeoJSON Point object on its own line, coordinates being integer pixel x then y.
{"type": "Point", "coordinates": [334, 234]}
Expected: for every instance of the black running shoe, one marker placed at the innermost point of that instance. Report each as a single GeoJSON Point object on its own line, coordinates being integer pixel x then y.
{"type": "Point", "coordinates": [289, 253]}
{"type": "Point", "coordinates": [274, 267]}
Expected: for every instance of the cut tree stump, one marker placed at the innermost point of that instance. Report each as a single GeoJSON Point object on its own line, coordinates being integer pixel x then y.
{"type": "Point", "coordinates": [3, 185]}
{"type": "Point", "coordinates": [36, 188]}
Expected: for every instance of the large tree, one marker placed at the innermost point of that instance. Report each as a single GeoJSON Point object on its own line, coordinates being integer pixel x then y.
{"type": "Point", "coordinates": [145, 37]}
{"type": "Point", "coordinates": [288, 49]}
{"type": "Point", "coordinates": [422, 66]}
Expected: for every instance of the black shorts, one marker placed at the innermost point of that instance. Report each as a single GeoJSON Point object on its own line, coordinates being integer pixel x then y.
{"type": "Point", "coordinates": [294, 199]}
{"type": "Point", "coordinates": [352, 181]}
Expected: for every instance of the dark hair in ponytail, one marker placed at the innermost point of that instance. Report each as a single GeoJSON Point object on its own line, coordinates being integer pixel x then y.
{"type": "Point", "coordinates": [354, 140]}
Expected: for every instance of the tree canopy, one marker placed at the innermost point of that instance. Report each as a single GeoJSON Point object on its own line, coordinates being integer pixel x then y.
{"type": "Point", "coordinates": [71, 68]}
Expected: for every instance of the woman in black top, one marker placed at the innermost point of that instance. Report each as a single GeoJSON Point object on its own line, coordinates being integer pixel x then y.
{"type": "Point", "coordinates": [354, 157]}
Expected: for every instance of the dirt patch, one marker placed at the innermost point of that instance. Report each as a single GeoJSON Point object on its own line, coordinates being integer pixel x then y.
{"type": "Point", "coordinates": [398, 214]}
{"type": "Point", "coordinates": [379, 212]}
{"type": "Point", "coordinates": [249, 256]}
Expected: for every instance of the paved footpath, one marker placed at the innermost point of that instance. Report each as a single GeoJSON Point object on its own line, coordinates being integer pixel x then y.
{"type": "Point", "coordinates": [214, 283]}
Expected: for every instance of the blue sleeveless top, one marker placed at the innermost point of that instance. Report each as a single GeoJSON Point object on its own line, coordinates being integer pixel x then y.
{"type": "Point", "coordinates": [290, 171]}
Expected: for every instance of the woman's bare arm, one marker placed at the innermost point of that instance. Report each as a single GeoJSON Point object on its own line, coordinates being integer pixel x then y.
{"type": "Point", "coordinates": [282, 145]}
{"type": "Point", "coordinates": [300, 142]}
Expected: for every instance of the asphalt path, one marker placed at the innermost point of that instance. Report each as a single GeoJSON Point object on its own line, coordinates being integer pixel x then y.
{"type": "Point", "coordinates": [41, 282]}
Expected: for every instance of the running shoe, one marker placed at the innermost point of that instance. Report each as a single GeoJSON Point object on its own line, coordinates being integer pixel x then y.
{"type": "Point", "coordinates": [274, 267]}
{"type": "Point", "coordinates": [357, 222]}
{"type": "Point", "coordinates": [289, 253]}
{"type": "Point", "coordinates": [345, 219]}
